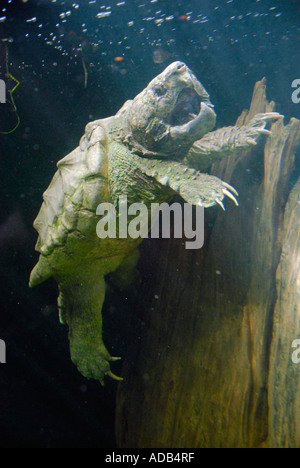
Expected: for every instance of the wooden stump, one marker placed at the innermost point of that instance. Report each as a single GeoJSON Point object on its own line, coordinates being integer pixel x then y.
{"type": "Point", "coordinates": [210, 361]}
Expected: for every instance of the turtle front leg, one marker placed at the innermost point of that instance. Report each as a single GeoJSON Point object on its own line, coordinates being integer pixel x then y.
{"type": "Point", "coordinates": [80, 303]}
{"type": "Point", "coordinates": [195, 188]}
{"type": "Point", "coordinates": [226, 141]}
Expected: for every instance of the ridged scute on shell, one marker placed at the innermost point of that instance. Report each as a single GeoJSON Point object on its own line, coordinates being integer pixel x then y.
{"type": "Point", "coordinates": [80, 183]}
{"type": "Point", "coordinates": [50, 209]}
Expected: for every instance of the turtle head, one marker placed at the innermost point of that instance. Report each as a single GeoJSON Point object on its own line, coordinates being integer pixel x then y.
{"type": "Point", "coordinates": [170, 114]}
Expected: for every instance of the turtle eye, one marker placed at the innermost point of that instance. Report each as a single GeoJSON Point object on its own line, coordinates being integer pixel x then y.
{"type": "Point", "coordinates": [159, 89]}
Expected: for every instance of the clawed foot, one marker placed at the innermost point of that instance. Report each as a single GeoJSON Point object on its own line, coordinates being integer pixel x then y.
{"type": "Point", "coordinates": [256, 127]}
{"type": "Point", "coordinates": [93, 362]}
{"type": "Point", "coordinates": [227, 141]}
{"type": "Point", "coordinates": [203, 189]}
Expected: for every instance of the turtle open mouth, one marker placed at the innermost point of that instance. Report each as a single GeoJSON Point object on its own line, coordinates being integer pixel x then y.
{"type": "Point", "coordinates": [187, 107]}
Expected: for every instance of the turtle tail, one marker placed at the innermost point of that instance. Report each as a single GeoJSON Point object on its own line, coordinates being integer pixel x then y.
{"type": "Point", "coordinates": [40, 272]}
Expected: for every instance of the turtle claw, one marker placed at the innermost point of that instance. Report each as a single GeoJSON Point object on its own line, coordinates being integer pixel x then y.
{"type": "Point", "coordinates": [270, 116]}
{"type": "Point", "coordinates": [229, 195]}
{"type": "Point", "coordinates": [113, 376]}
{"type": "Point", "coordinates": [220, 203]}
{"type": "Point", "coordinates": [265, 117]}
{"type": "Point", "coordinates": [228, 186]}
{"type": "Point", "coordinates": [264, 131]}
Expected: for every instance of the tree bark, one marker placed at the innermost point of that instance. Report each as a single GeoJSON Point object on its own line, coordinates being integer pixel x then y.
{"type": "Point", "coordinates": [210, 364]}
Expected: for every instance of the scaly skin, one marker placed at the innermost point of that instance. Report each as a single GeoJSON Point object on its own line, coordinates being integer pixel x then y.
{"type": "Point", "coordinates": [228, 141]}
{"type": "Point", "coordinates": [144, 152]}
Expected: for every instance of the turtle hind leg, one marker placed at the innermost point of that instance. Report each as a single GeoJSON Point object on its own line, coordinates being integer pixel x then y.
{"type": "Point", "coordinates": [80, 302]}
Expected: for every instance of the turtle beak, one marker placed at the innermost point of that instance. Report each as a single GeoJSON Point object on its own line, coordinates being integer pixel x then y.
{"type": "Point", "coordinates": [196, 128]}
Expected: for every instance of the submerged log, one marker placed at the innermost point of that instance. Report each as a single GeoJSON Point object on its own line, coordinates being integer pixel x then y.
{"type": "Point", "coordinates": [210, 363]}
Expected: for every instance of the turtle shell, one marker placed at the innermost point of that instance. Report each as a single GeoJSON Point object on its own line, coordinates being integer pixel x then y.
{"type": "Point", "coordinates": [71, 200]}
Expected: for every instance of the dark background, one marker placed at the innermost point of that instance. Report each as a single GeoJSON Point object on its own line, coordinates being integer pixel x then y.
{"type": "Point", "coordinates": [44, 401]}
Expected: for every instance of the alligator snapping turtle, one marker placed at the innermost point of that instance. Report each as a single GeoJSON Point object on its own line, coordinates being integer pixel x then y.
{"type": "Point", "coordinates": [148, 151]}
